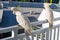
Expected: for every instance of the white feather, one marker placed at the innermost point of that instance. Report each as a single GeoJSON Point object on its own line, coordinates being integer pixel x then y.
{"type": "Point", "coordinates": [23, 21]}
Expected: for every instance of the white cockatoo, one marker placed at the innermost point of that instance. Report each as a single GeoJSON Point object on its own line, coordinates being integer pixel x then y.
{"type": "Point", "coordinates": [31, 12]}
{"type": "Point", "coordinates": [1, 5]}
{"type": "Point", "coordinates": [49, 15]}
{"type": "Point", "coordinates": [22, 20]}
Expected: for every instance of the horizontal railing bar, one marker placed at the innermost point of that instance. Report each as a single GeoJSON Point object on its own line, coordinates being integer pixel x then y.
{"type": "Point", "coordinates": [32, 23]}
{"type": "Point", "coordinates": [8, 29]}
{"type": "Point", "coordinates": [38, 31]}
{"type": "Point", "coordinates": [45, 29]}
{"type": "Point", "coordinates": [8, 38]}
{"type": "Point", "coordinates": [43, 21]}
{"type": "Point", "coordinates": [21, 35]}
{"type": "Point", "coordinates": [13, 27]}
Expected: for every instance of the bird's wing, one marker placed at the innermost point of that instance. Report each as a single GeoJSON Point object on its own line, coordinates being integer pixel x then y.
{"type": "Point", "coordinates": [24, 22]}
{"type": "Point", "coordinates": [27, 22]}
{"type": "Point", "coordinates": [49, 16]}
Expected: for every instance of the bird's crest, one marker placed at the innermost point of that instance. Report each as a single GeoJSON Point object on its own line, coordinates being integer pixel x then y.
{"type": "Point", "coordinates": [16, 8]}
{"type": "Point", "coordinates": [46, 5]}
{"type": "Point", "coordinates": [46, 1]}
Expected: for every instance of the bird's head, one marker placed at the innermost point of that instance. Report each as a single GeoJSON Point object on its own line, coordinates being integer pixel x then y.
{"type": "Point", "coordinates": [46, 5]}
{"type": "Point", "coordinates": [15, 9]}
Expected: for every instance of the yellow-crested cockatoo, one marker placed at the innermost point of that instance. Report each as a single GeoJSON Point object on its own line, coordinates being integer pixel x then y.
{"type": "Point", "coordinates": [22, 20]}
{"type": "Point", "coordinates": [49, 15]}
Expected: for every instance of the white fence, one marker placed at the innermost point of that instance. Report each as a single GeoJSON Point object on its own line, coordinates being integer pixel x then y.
{"type": "Point", "coordinates": [39, 34]}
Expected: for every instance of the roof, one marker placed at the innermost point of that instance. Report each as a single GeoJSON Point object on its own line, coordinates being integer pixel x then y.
{"type": "Point", "coordinates": [27, 4]}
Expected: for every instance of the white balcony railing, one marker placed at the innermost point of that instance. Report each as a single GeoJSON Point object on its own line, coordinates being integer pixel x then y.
{"type": "Point", "coordinates": [39, 34]}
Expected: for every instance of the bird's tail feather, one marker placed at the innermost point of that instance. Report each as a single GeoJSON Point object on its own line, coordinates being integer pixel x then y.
{"type": "Point", "coordinates": [29, 31]}
{"type": "Point", "coordinates": [50, 26]}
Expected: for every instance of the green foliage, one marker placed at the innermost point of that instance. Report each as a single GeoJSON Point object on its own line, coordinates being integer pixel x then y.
{"type": "Point", "coordinates": [35, 28]}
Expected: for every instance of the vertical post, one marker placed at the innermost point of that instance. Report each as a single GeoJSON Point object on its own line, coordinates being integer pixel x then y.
{"type": "Point", "coordinates": [47, 35]}
{"type": "Point", "coordinates": [59, 3]}
{"type": "Point", "coordinates": [32, 37]}
{"type": "Point", "coordinates": [58, 34]}
{"type": "Point", "coordinates": [50, 34]}
{"type": "Point", "coordinates": [15, 33]}
{"type": "Point", "coordinates": [26, 35]}
{"type": "Point", "coordinates": [42, 36]}
{"type": "Point", "coordinates": [54, 33]}
{"type": "Point", "coordinates": [37, 37]}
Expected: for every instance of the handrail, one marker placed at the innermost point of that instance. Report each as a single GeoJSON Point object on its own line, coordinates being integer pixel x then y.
{"type": "Point", "coordinates": [33, 32]}
{"type": "Point", "coordinates": [43, 21]}
{"type": "Point", "coordinates": [32, 23]}
{"type": "Point", "coordinates": [15, 35]}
